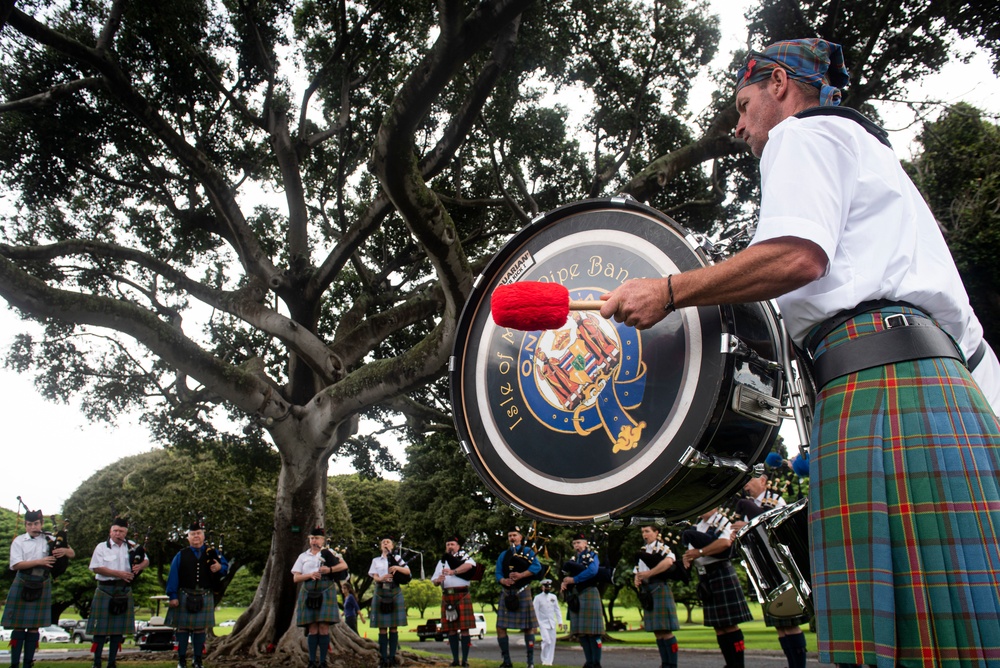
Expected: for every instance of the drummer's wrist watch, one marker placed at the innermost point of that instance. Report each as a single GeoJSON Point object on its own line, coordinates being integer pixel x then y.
{"type": "Point", "coordinates": [701, 553]}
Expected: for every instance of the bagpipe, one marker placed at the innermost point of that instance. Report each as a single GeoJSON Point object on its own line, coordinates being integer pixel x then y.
{"type": "Point", "coordinates": [720, 522]}
{"type": "Point", "coordinates": [651, 556]}
{"type": "Point", "coordinates": [572, 568]}
{"type": "Point", "coordinates": [330, 559]}
{"type": "Point", "coordinates": [60, 539]}
{"type": "Point", "coordinates": [395, 558]}
{"type": "Point", "coordinates": [137, 553]}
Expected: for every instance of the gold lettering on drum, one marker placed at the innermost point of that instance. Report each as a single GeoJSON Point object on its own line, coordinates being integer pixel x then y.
{"type": "Point", "coordinates": [561, 275]}
{"type": "Point", "coordinates": [507, 390]}
{"type": "Point", "coordinates": [598, 267]}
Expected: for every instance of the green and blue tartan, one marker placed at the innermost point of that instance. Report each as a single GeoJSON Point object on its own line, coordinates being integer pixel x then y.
{"type": "Point", "coordinates": [523, 618]}
{"type": "Point", "coordinates": [663, 616]}
{"type": "Point", "coordinates": [728, 606]}
{"type": "Point", "coordinates": [19, 614]}
{"type": "Point", "coordinates": [180, 618]}
{"type": "Point", "coordinates": [463, 605]}
{"type": "Point", "coordinates": [101, 622]}
{"type": "Point", "coordinates": [905, 514]}
{"type": "Point", "coordinates": [380, 620]}
{"type": "Point", "coordinates": [328, 613]}
{"type": "Point", "coordinates": [590, 619]}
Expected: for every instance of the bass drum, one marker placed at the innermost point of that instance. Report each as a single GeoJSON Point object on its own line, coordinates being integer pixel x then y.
{"type": "Point", "coordinates": [598, 421]}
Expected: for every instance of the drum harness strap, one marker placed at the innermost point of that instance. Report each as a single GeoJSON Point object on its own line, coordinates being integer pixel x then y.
{"type": "Point", "coordinates": [905, 338]}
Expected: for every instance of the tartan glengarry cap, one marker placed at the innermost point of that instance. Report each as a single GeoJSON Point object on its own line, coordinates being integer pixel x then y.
{"type": "Point", "coordinates": [814, 61]}
{"type": "Point", "coordinates": [33, 516]}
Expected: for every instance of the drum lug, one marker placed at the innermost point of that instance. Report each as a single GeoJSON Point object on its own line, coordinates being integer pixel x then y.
{"type": "Point", "coordinates": [694, 458]}
{"type": "Point", "coordinates": [756, 405]}
{"type": "Point", "coordinates": [732, 345]}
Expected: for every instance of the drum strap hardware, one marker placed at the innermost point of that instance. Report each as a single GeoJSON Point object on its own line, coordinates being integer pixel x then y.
{"type": "Point", "coordinates": [905, 338]}
{"type": "Point", "coordinates": [694, 458]}
{"type": "Point", "coordinates": [756, 405]}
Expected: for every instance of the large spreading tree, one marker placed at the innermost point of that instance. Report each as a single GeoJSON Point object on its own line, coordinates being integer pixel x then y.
{"type": "Point", "coordinates": [250, 217]}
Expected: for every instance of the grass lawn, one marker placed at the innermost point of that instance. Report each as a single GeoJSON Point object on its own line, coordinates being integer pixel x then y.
{"type": "Point", "coordinates": [690, 636]}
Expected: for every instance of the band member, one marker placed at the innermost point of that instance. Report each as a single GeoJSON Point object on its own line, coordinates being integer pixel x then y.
{"type": "Point", "coordinates": [317, 604]}
{"type": "Point", "coordinates": [761, 499]}
{"type": "Point", "coordinates": [457, 616]}
{"type": "Point", "coordinates": [388, 610]}
{"type": "Point", "coordinates": [514, 569]}
{"type": "Point", "coordinates": [194, 573]}
{"type": "Point", "coordinates": [112, 612]}
{"type": "Point", "coordinates": [905, 425]}
{"type": "Point", "coordinates": [724, 604]}
{"type": "Point", "coordinates": [549, 615]}
{"type": "Point", "coordinates": [29, 601]}
{"type": "Point", "coordinates": [352, 610]}
{"type": "Point", "coordinates": [651, 575]}
{"type": "Point", "coordinates": [586, 616]}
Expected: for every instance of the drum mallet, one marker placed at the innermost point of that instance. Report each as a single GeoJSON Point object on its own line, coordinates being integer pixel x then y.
{"type": "Point", "coordinates": [533, 305]}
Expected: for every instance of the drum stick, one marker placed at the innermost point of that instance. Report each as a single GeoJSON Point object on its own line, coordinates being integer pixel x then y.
{"type": "Point", "coordinates": [534, 305]}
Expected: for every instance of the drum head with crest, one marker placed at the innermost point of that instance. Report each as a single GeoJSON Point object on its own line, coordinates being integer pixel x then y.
{"type": "Point", "coordinates": [589, 422]}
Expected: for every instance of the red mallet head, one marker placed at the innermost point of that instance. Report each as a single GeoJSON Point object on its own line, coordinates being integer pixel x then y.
{"type": "Point", "coordinates": [530, 305]}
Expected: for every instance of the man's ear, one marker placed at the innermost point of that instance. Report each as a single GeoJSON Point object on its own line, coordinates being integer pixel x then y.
{"type": "Point", "coordinates": [779, 83]}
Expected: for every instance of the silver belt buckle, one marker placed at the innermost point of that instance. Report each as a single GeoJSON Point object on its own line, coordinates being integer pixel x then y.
{"type": "Point", "coordinates": [895, 320]}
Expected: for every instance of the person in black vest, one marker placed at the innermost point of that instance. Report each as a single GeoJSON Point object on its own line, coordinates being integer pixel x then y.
{"type": "Point", "coordinates": [112, 612]}
{"type": "Point", "coordinates": [194, 572]}
{"type": "Point", "coordinates": [515, 568]}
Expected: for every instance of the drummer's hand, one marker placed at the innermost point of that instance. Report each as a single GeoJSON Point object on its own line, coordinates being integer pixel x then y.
{"type": "Point", "coordinates": [638, 580]}
{"type": "Point", "coordinates": [736, 526]}
{"type": "Point", "coordinates": [638, 303]}
{"type": "Point", "coordinates": [690, 556]}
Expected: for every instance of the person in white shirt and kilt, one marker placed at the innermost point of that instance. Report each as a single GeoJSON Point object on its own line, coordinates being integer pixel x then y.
{"type": "Point", "coordinates": [904, 496]}
{"type": "Point", "coordinates": [316, 607]}
{"type": "Point", "coordinates": [388, 611]}
{"type": "Point", "coordinates": [760, 499]}
{"type": "Point", "coordinates": [112, 611]}
{"type": "Point", "coordinates": [451, 574]}
{"type": "Point", "coordinates": [29, 601]}
{"type": "Point", "coordinates": [194, 574]}
{"type": "Point", "coordinates": [723, 601]}
{"type": "Point", "coordinates": [549, 616]}
{"type": "Point", "coordinates": [655, 560]}
{"type": "Point", "coordinates": [515, 568]}
{"type": "Point", "coordinates": [583, 599]}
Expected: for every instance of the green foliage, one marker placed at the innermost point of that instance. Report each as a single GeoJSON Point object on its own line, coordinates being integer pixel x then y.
{"type": "Point", "coordinates": [241, 589]}
{"type": "Point", "coordinates": [958, 173]}
{"type": "Point", "coordinates": [423, 594]}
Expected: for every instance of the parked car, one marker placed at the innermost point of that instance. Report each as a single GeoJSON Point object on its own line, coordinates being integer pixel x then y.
{"type": "Point", "coordinates": [79, 633]}
{"type": "Point", "coordinates": [155, 636]}
{"type": "Point", "coordinates": [68, 623]}
{"type": "Point", "coordinates": [480, 629]}
{"type": "Point", "coordinates": [430, 629]}
{"type": "Point", "coordinates": [54, 633]}
{"type": "Point", "coordinates": [228, 622]}
{"type": "Point", "coordinates": [5, 634]}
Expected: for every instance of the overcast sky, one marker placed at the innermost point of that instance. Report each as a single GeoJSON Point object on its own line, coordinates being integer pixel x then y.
{"type": "Point", "coordinates": [50, 449]}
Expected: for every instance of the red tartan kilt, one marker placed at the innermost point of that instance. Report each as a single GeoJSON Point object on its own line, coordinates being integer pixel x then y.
{"type": "Point", "coordinates": [463, 604]}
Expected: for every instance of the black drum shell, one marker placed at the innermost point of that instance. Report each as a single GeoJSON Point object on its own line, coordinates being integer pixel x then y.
{"type": "Point", "coordinates": [702, 418]}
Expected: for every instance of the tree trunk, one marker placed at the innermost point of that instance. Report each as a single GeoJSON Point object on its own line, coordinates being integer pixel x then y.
{"type": "Point", "coordinates": [266, 630]}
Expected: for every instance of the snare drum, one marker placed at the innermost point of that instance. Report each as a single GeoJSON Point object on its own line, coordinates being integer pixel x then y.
{"type": "Point", "coordinates": [596, 420]}
{"type": "Point", "coordinates": [773, 567]}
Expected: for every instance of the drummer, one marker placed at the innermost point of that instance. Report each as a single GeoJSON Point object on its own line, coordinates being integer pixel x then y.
{"type": "Point", "coordinates": [709, 544]}
{"type": "Point", "coordinates": [761, 498]}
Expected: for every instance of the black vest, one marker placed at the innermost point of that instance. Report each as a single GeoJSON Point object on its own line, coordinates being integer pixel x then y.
{"type": "Point", "coordinates": [194, 572]}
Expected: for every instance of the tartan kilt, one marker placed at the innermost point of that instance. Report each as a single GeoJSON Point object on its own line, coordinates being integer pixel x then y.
{"type": "Point", "coordinates": [590, 619]}
{"type": "Point", "coordinates": [463, 603]}
{"type": "Point", "coordinates": [180, 618]}
{"type": "Point", "coordinates": [523, 618]}
{"type": "Point", "coordinates": [663, 616]}
{"type": "Point", "coordinates": [328, 613]}
{"type": "Point", "coordinates": [380, 620]}
{"type": "Point", "coordinates": [904, 514]}
{"type": "Point", "coordinates": [101, 622]}
{"type": "Point", "coordinates": [18, 614]}
{"type": "Point", "coordinates": [728, 606]}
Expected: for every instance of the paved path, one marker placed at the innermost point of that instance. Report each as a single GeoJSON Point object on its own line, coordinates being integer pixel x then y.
{"type": "Point", "coordinates": [614, 657]}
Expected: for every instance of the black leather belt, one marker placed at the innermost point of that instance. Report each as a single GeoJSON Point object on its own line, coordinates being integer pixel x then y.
{"type": "Point", "coordinates": [905, 337]}
{"type": "Point", "coordinates": [456, 590]}
{"type": "Point", "coordinates": [387, 585]}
